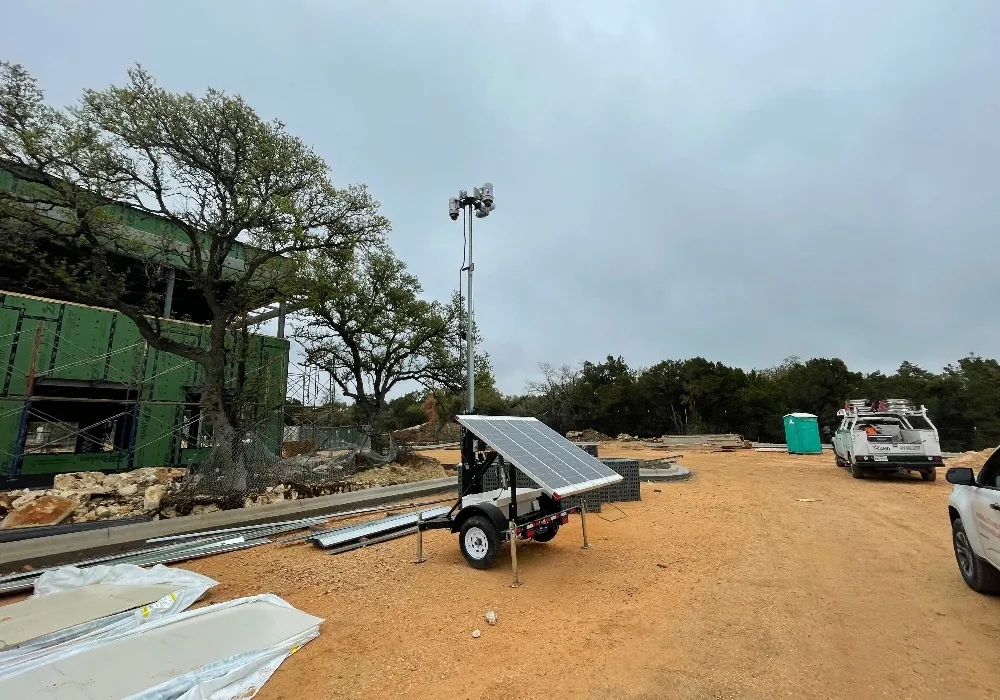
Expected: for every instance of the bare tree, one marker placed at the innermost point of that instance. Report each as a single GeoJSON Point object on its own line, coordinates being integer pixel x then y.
{"type": "Point", "coordinates": [555, 391]}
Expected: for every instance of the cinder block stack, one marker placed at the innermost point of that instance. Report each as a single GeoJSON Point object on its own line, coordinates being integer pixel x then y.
{"type": "Point", "coordinates": [626, 490]}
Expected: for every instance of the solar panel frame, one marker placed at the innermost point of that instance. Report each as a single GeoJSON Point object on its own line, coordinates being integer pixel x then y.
{"type": "Point", "coordinates": [559, 467]}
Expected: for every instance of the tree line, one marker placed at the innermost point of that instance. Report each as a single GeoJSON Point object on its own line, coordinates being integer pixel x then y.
{"type": "Point", "coordinates": [700, 396]}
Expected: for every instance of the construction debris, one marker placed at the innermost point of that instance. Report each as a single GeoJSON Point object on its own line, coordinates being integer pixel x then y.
{"type": "Point", "coordinates": [416, 468]}
{"type": "Point", "coordinates": [430, 432]}
{"type": "Point", "coordinates": [491, 618]}
{"type": "Point", "coordinates": [588, 435]}
{"type": "Point", "coordinates": [174, 551]}
{"type": "Point", "coordinates": [728, 441]}
{"type": "Point", "coordinates": [96, 496]}
{"type": "Point", "coordinates": [353, 536]}
{"type": "Point", "coordinates": [160, 492]}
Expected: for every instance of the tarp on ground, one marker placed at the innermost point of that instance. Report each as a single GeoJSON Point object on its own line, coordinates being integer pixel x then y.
{"type": "Point", "coordinates": [185, 587]}
{"type": "Point", "coordinates": [220, 652]}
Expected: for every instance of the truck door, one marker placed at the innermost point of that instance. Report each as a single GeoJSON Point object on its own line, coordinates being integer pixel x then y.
{"type": "Point", "coordinates": [842, 438]}
{"type": "Point", "coordinates": [986, 508]}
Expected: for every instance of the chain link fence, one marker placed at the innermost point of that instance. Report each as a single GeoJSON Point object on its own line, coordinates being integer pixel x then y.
{"type": "Point", "coordinates": [267, 459]}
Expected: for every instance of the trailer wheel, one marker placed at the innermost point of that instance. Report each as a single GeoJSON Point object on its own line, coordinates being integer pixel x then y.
{"type": "Point", "coordinates": [479, 542]}
{"type": "Point", "coordinates": [856, 471]}
{"type": "Point", "coordinates": [928, 474]}
{"type": "Point", "coordinates": [546, 532]}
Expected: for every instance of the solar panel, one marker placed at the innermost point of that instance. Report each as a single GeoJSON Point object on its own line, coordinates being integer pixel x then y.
{"type": "Point", "coordinates": [558, 466]}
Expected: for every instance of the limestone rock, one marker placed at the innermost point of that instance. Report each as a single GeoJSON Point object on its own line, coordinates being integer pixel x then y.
{"type": "Point", "coordinates": [46, 510]}
{"type": "Point", "coordinates": [152, 498]}
{"type": "Point", "coordinates": [22, 501]}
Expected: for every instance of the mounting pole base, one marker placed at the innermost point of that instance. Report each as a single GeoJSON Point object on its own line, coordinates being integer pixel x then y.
{"type": "Point", "coordinates": [516, 579]}
{"type": "Point", "coordinates": [420, 540]}
{"type": "Point", "coordinates": [583, 522]}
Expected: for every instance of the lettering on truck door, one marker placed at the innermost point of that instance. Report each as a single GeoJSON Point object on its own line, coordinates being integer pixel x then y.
{"type": "Point", "coordinates": [986, 508]}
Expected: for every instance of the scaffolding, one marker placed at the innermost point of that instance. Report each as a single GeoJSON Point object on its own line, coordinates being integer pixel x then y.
{"type": "Point", "coordinates": [312, 424]}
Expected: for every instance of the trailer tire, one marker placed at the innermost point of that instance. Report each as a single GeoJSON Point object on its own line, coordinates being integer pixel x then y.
{"type": "Point", "coordinates": [928, 474]}
{"type": "Point", "coordinates": [546, 533]}
{"type": "Point", "coordinates": [479, 542]}
{"type": "Point", "coordinates": [856, 471]}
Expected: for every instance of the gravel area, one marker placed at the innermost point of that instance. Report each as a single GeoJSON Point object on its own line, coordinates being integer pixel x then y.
{"type": "Point", "coordinates": [724, 586]}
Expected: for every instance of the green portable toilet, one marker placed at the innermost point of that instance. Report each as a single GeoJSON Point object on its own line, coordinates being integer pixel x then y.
{"type": "Point", "coordinates": [802, 434]}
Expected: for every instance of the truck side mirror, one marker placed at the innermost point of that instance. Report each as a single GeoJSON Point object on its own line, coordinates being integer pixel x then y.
{"type": "Point", "coordinates": [960, 476]}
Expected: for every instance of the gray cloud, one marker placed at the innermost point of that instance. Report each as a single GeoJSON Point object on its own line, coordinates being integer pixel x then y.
{"type": "Point", "coordinates": [673, 179]}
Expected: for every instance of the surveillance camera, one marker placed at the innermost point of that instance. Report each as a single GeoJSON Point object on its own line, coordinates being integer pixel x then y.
{"type": "Point", "coordinates": [486, 194]}
{"type": "Point", "coordinates": [482, 211]}
{"type": "Point", "coordinates": [453, 209]}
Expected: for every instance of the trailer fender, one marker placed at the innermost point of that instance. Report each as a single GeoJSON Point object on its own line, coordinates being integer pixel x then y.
{"type": "Point", "coordinates": [495, 515]}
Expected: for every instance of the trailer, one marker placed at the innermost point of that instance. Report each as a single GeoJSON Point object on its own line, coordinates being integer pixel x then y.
{"type": "Point", "coordinates": [887, 436]}
{"type": "Point", "coordinates": [485, 520]}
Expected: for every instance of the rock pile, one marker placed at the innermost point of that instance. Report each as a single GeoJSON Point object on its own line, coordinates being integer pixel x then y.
{"type": "Point", "coordinates": [588, 435]}
{"type": "Point", "coordinates": [159, 492]}
{"type": "Point", "coordinates": [96, 496]}
{"type": "Point", "coordinates": [429, 433]}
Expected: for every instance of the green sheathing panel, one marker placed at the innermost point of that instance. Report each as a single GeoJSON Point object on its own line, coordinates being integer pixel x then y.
{"type": "Point", "coordinates": [154, 234]}
{"type": "Point", "coordinates": [91, 344]}
{"type": "Point", "coordinates": [10, 419]}
{"type": "Point", "coordinates": [34, 465]}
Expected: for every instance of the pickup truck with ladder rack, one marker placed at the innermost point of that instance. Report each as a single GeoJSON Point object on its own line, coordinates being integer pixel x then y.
{"type": "Point", "coordinates": [887, 436]}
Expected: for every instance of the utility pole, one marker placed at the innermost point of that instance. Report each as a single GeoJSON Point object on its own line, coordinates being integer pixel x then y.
{"type": "Point", "coordinates": [481, 204]}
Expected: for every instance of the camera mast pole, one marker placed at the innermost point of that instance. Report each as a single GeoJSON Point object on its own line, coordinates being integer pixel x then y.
{"type": "Point", "coordinates": [481, 203]}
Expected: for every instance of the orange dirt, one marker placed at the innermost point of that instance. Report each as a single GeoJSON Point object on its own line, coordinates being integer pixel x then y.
{"type": "Point", "coordinates": [724, 586]}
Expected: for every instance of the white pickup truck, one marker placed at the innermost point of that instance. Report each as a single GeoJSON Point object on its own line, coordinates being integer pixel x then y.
{"type": "Point", "coordinates": [974, 510]}
{"type": "Point", "coordinates": [890, 436]}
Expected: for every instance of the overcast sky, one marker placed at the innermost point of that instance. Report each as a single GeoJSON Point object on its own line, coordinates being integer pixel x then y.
{"type": "Point", "coordinates": [738, 179]}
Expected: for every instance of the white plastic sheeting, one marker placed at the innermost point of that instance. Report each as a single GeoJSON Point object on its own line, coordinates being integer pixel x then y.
{"type": "Point", "coordinates": [188, 587]}
{"type": "Point", "coordinates": [220, 652]}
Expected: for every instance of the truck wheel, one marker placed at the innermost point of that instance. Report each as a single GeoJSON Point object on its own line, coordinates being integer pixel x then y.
{"type": "Point", "coordinates": [929, 474]}
{"type": "Point", "coordinates": [838, 460]}
{"type": "Point", "coordinates": [479, 542]}
{"type": "Point", "coordinates": [856, 471]}
{"type": "Point", "coordinates": [978, 575]}
{"type": "Point", "coordinates": [546, 532]}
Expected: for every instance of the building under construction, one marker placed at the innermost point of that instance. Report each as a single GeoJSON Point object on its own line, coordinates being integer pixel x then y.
{"type": "Point", "coordinates": [80, 390]}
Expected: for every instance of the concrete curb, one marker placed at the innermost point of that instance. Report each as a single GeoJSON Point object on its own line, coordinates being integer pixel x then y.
{"type": "Point", "coordinates": [675, 473]}
{"type": "Point", "coordinates": [78, 546]}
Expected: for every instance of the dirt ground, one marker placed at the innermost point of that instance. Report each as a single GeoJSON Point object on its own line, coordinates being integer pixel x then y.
{"type": "Point", "coordinates": [723, 586]}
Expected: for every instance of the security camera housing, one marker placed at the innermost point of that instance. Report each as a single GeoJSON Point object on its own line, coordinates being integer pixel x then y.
{"type": "Point", "coordinates": [486, 194]}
